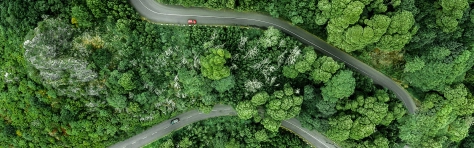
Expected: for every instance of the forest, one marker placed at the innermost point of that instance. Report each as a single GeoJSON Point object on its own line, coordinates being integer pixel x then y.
{"type": "Point", "coordinates": [90, 73]}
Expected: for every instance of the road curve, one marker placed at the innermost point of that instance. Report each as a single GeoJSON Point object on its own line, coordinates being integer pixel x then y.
{"type": "Point", "coordinates": [164, 128]}
{"type": "Point", "coordinates": [156, 12]}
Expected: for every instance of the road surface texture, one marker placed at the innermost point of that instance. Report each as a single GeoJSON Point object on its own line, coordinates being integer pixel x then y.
{"type": "Point", "coordinates": [164, 128]}
{"type": "Point", "coordinates": [156, 12]}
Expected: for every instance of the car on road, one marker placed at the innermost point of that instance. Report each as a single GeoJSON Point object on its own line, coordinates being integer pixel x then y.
{"type": "Point", "coordinates": [191, 21]}
{"type": "Point", "coordinates": [174, 121]}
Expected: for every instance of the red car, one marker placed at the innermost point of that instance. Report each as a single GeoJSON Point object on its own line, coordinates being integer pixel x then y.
{"type": "Point", "coordinates": [190, 21]}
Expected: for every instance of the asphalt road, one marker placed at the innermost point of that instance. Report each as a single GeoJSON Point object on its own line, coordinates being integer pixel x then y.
{"type": "Point", "coordinates": [156, 12]}
{"type": "Point", "coordinates": [164, 128]}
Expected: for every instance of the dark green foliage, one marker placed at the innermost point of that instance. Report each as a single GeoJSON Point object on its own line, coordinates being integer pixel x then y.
{"type": "Point", "coordinates": [81, 16]}
{"type": "Point", "coordinates": [101, 58]}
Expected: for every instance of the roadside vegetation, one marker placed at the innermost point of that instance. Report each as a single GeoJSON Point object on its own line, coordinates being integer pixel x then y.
{"type": "Point", "coordinates": [92, 73]}
{"type": "Point", "coordinates": [228, 132]}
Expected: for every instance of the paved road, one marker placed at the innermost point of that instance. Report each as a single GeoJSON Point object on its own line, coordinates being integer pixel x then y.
{"type": "Point", "coordinates": [179, 15]}
{"type": "Point", "coordinates": [164, 128]}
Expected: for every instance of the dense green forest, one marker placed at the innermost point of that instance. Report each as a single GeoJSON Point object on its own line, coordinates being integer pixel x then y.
{"type": "Point", "coordinates": [425, 45]}
{"type": "Point", "coordinates": [90, 73]}
{"type": "Point", "coordinates": [228, 132]}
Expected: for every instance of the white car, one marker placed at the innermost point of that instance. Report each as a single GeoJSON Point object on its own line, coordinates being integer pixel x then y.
{"type": "Point", "coordinates": [174, 121]}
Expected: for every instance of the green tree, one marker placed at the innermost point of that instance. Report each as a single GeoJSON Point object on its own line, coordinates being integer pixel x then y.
{"type": "Point", "coordinates": [81, 16]}
{"type": "Point", "coordinates": [126, 81]}
{"type": "Point", "coordinates": [340, 128]}
{"type": "Point", "coordinates": [290, 71]}
{"type": "Point", "coordinates": [224, 84]}
{"type": "Point", "coordinates": [452, 10]}
{"type": "Point", "coordinates": [245, 110]}
{"type": "Point", "coordinates": [270, 37]}
{"type": "Point", "coordinates": [414, 65]}
{"type": "Point", "coordinates": [260, 98]}
{"type": "Point", "coordinates": [212, 65]}
{"type": "Point", "coordinates": [340, 86]}
{"type": "Point", "coordinates": [167, 144]}
{"type": "Point", "coordinates": [271, 124]}
{"type": "Point", "coordinates": [261, 135]}
{"type": "Point", "coordinates": [117, 101]}
{"type": "Point", "coordinates": [185, 143]}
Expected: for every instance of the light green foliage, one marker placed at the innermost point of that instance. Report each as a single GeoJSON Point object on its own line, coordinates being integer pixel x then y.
{"type": "Point", "coordinates": [324, 67]}
{"type": "Point", "coordinates": [117, 101]}
{"type": "Point", "coordinates": [279, 94]}
{"type": "Point", "coordinates": [437, 74]}
{"type": "Point", "coordinates": [126, 81]}
{"type": "Point", "coordinates": [340, 86]}
{"type": "Point", "coordinates": [185, 143]}
{"type": "Point", "coordinates": [439, 121]}
{"type": "Point", "coordinates": [327, 64]}
{"type": "Point", "coordinates": [379, 23]}
{"type": "Point", "coordinates": [224, 84]}
{"type": "Point", "coordinates": [261, 135]}
{"type": "Point", "coordinates": [339, 127]}
{"type": "Point", "coordinates": [459, 128]}
{"type": "Point", "coordinates": [277, 115]}
{"type": "Point", "coordinates": [309, 55]}
{"type": "Point", "coordinates": [399, 33]}
{"type": "Point", "coordinates": [415, 65]}
{"type": "Point", "coordinates": [212, 65]}
{"type": "Point", "coordinates": [319, 76]}
{"type": "Point", "coordinates": [401, 23]}
{"type": "Point", "coordinates": [287, 89]}
{"type": "Point", "coordinates": [459, 97]}
{"type": "Point", "coordinates": [245, 110]}
{"type": "Point", "coordinates": [270, 37]}
{"type": "Point", "coordinates": [361, 128]}
{"type": "Point", "coordinates": [274, 105]}
{"type": "Point", "coordinates": [284, 104]}
{"type": "Point", "coordinates": [302, 66]}
{"type": "Point", "coordinates": [290, 71]}
{"type": "Point", "coordinates": [370, 112]}
{"type": "Point", "coordinates": [303, 63]}
{"type": "Point", "coordinates": [346, 31]}
{"type": "Point", "coordinates": [297, 100]}
{"type": "Point", "coordinates": [452, 11]}
{"type": "Point", "coordinates": [271, 124]}
{"type": "Point", "coordinates": [167, 144]}
{"type": "Point", "coordinates": [260, 98]}
{"type": "Point", "coordinates": [358, 37]}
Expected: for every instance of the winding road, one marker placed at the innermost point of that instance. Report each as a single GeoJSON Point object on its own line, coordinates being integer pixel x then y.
{"type": "Point", "coordinates": [156, 12]}
{"type": "Point", "coordinates": [164, 128]}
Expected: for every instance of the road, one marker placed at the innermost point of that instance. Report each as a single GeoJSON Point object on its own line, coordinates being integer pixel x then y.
{"type": "Point", "coordinates": [164, 128]}
{"type": "Point", "coordinates": [156, 12]}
